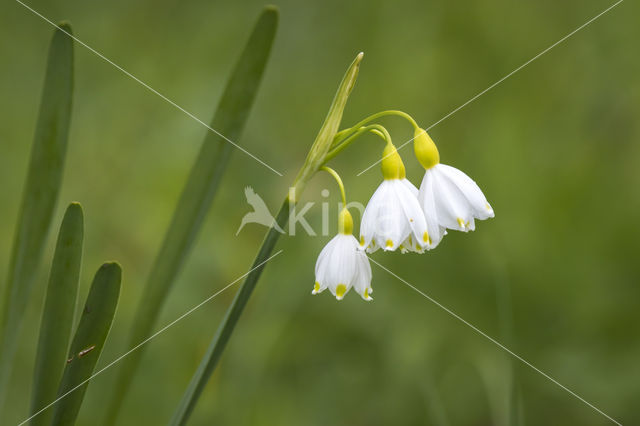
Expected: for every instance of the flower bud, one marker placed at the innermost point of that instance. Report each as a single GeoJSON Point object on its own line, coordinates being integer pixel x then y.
{"type": "Point", "coordinates": [426, 151]}
{"type": "Point", "coordinates": [392, 166]}
{"type": "Point", "coordinates": [345, 222]}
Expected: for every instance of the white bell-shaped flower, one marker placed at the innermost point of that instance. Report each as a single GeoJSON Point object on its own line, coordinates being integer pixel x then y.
{"type": "Point", "coordinates": [393, 217]}
{"type": "Point", "coordinates": [450, 199]}
{"type": "Point", "coordinates": [341, 265]}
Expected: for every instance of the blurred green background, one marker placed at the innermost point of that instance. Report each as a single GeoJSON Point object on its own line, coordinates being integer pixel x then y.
{"type": "Point", "coordinates": [555, 276]}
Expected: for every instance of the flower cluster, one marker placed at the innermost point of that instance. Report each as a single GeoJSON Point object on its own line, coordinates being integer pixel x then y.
{"type": "Point", "coordinates": [399, 215]}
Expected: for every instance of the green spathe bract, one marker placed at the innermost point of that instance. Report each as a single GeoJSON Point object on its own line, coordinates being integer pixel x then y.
{"type": "Point", "coordinates": [198, 193]}
{"type": "Point", "coordinates": [40, 195]}
{"type": "Point", "coordinates": [88, 341]}
{"type": "Point", "coordinates": [315, 159]}
{"type": "Point", "coordinates": [57, 316]}
{"type": "Point", "coordinates": [317, 155]}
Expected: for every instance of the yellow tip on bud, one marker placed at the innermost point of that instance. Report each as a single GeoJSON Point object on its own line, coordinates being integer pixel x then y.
{"type": "Point", "coordinates": [345, 222]}
{"type": "Point", "coordinates": [426, 151]}
{"type": "Point", "coordinates": [392, 166]}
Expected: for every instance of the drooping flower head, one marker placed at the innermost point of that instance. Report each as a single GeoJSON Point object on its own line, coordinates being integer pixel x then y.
{"type": "Point", "coordinates": [393, 217]}
{"type": "Point", "coordinates": [450, 199]}
{"type": "Point", "coordinates": [341, 265]}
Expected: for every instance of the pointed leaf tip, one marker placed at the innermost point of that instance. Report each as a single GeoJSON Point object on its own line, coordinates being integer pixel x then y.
{"type": "Point", "coordinates": [90, 336]}
{"type": "Point", "coordinates": [65, 26]}
{"type": "Point", "coordinates": [57, 315]}
{"type": "Point", "coordinates": [270, 13]}
{"type": "Point", "coordinates": [40, 194]}
{"type": "Point", "coordinates": [112, 267]}
{"type": "Point", "coordinates": [75, 207]}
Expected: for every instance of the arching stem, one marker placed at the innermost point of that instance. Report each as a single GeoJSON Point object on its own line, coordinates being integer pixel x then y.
{"type": "Point", "coordinates": [357, 126]}
{"type": "Point", "coordinates": [336, 176]}
{"type": "Point", "coordinates": [373, 128]}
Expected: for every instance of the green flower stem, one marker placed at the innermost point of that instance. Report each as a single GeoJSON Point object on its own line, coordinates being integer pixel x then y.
{"type": "Point", "coordinates": [225, 329]}
{"type": "Point", "coordinates": [315, 160]}
{"type": "Point", "coordinates": [336, 176]}
{"type": "Point", "coordinates": [373, 117]}
{"type": "Point", "coordinates": [373, 128]}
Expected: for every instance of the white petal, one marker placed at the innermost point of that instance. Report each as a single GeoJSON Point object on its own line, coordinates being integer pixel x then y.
{"type": "Point", "coordinates": [362, 280]}
{"type": "Point", "coordinates": [383, 221]}
{"type": "Point", "coordinates": [322, 265]}
{"type": "Point", "coordinates": [407, 194]}
{"type": "Point", "coordinates": [368, 222]}
{"type": "Point", "coordinates": [342, 268]}
{"type": "Point", "coordinates": [407, 183]}
{"type": "Point", "coordinates": [410, 244]}
{"type": "Point", "coordinates": [373, 247]}
{"type": "Point", "coordinates": [453, 209]}
{"type": "Point", "coordinates": [472, 192]}
{"type": "Point", "coordinates": [427, 202]}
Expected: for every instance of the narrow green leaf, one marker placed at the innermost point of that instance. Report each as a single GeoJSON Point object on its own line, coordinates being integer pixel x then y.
{"type": "Point", "coordinates": [88, 341]}
{"type": "Point", "coordinates": [225, 329]}
{"type": "Point", "coordinates": [198, 193]}
{"type": "Point", "coordinates": [219, 342]}
{"type": "Point", "coordinates": [40, 194]}
{"type": "Point", "coordinates": [507, 330]}
{"type": "Point", "coordinates": [57, 317]}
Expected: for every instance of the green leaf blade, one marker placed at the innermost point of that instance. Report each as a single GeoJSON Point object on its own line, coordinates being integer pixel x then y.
{"type": "Point", "coordinates": [40, 194]}
{"type": "Point", "coordinates": [57, 316]}
{"type": "Point", "coordinates": [88, 341]}
{"type": "Point", "coordinates": [198, 193]}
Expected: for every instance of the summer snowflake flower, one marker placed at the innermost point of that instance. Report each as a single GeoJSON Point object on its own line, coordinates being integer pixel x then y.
{"type": "Point", "coordinates": [393, 217]}
{"type": "Point", "coordinates": [341, 265]}
{"type": "Point", "coordinates": [450, 199]}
